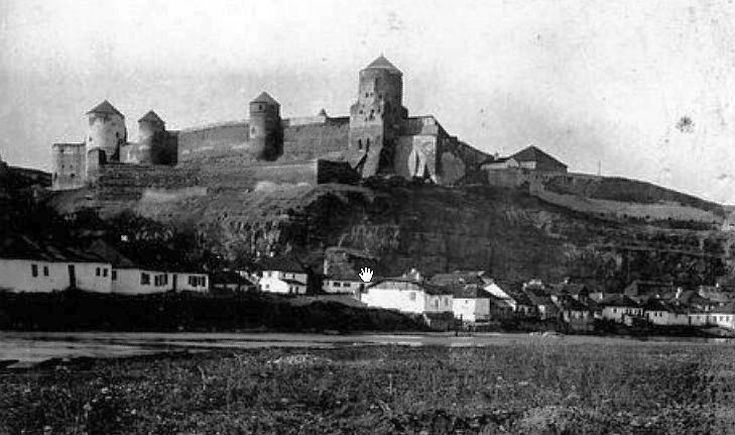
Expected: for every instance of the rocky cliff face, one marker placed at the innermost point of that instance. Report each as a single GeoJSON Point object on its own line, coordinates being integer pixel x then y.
{"type": "Point", "coordinates": [512, 234]}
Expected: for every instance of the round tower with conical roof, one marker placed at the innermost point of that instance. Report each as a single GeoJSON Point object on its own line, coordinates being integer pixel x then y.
{"type": "Point", "coordinates": [376, 117]}
{"type": "Point", "coordinates": [265, 127]}
{"type": "Point", "coordinates": [151, 134]}
{"type": "Point", "coordinates": [106, 132]}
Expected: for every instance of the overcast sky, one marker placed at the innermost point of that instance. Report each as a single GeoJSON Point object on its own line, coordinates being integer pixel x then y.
{"type": "Point", "coordinates": [590, 82]}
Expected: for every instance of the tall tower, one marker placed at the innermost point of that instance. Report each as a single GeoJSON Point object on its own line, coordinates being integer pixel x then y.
{"type": "Point", "coordinates": [151, 137]}
{"type": "Point", "coordinates": [69, 166]}
{"type": "Point", "coordinates": [265, 127]}
{"type": "Point", "coordinates": [106, 132]}
{"type": "Point", "coordinates": [376, 117]}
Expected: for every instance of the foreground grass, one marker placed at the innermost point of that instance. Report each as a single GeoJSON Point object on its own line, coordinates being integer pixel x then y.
{"type": "Point", "coordinates": [534, 386]}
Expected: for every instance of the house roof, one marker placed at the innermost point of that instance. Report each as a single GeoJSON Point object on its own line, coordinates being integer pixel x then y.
{"type": "Point", "coordinates": [382, 63]}
{"type": "Point", "coordinates": [413, 285]}
{"type": "Point", "coordinates": [521, 298]}
{"type": "Point", "coordinates": [568, 303]}
{"type": "Point", "coordinates": [655, 304]}
{"type": "Point", "coordinates": [458, 277]}
{"type": "Point", "coordinates": [105, 251]}
{"type": "Point", "coordinates": [570, 288]}
{"type": "Point", "coordinates": [152, 117]}
{"type": "Point", "coordinates": [106, 108]}
{"type": "Point", "coordinates": [617, 300]}
{"type": "Point", "coordinates": [534, 154]}
{"type": "Point", "coordinates": [469, 291]}
{"type": "Point", "coordinates": [281, 264]}
{"type": "Point", "coordinates": [20, 247]}
{"type": "Point", "coordinates": [264, 97]}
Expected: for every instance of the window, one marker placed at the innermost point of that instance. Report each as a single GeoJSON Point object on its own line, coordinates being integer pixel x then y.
{"type": "Point", "coordinates": [337, 284]}
{"type": "Point", "coordinates": [45, 270]}
{"type": "Point", "coordinates": [104, 272]}
{"type": "Point", "coordinates": [34, 270]}
{"type": "Point", "coordinates": [97, 271]}
{"type": "Point", "coordinates": [145, 279]}
{"type": "Point", "coordinates": [359, 144]}
{"type": "Point", "coordinates": [412, 296]}
{"type": "Point", "coordinates": [114, 275]}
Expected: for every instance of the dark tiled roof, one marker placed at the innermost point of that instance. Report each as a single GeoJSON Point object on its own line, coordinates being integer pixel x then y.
{"type": "Point", "coordinates": [264, 97]}
{"type": "Point", "coordinates": [106, 108]}
{"type": "Point", "coordinates": [458, 277]}
{"type": "Point", "coordinates": [533, 154]}
{"type": "Point", "coordinates": [110, 254]}
{"type": "Point", "coordinates": [469, 291]}
{"type": "Point", "coordinates": [382, 63]}
{"type": "Point", "coordinates": [151, 116]}
{"type": "Point", "coordinates": [20, 247]}
{"type": "Point", "coordinates": [617, 300]}
{"type": "Point", "coordinates": [282, 264]}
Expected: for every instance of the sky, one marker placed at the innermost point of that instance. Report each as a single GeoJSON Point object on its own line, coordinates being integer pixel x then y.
{"type": "Point", "coordinates": [636, 89]}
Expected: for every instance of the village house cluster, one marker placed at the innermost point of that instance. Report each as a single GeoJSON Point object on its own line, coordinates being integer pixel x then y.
{"type": "Point", "coordinates": [469, 297]}
{"type": "Point", "coordinates": [474, 298]}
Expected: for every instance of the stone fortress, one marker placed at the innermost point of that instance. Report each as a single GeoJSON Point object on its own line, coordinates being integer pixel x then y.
{"type": "Point", "coordinates": [378, 137]}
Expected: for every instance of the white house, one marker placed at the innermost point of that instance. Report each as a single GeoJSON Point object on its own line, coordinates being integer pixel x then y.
{"type": "Point", "coordinates": [470, 303]}
{"type": "Point", "coordinates": [343, 284]}
{"type": "Point", "coordinates": [134, 280]}
{"type": "Point", "coordinates": [620, 308]}
{"type": "Point", "coordinates": [658, 312]}
{"type": "Point", "coordinates": [408, 295]}
{"type": "Point", "coordinates": [723, 317]}
{"type": "Point", "coordinates": [25, 266]}
{"type": "Point", "coordinates": [282, 275]}
{"type": "Point", "coordinates": [698, 318]}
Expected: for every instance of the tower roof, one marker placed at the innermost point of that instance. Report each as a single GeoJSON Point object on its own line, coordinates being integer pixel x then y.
{"type": "Point", "coordinates": [105, 107]}
{"type": "Point", "coordinates": [265, 98]}
{"type": "Point", "coordinates": [382, 63]}
{"type": "Point", "coordinates": [152, 117]}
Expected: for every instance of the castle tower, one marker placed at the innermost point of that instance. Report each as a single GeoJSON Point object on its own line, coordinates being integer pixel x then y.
{"type": "Point", "coordinates": [68, 161]}
{"type": "Point", "coordinates": [376, 118]}
{"type": "Point", "coordinates": [151, 137]}
{"type": "Point", "coordinates": [265, 127]}
{"type": "Point", "coordinates": [106, 132]}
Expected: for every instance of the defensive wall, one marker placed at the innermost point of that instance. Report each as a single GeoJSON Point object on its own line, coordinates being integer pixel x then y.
{"type": "Point", "coordinates": [303, 139]}
{"type": "Point", "coordinates": [615, 197]}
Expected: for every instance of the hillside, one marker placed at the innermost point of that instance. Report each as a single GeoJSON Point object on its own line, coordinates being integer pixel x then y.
{"type": "Point", "coordinates": [513, 234]}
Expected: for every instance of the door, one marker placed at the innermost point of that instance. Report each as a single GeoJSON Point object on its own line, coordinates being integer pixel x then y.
{"type": "Point", "coordinates": [174, 281]}
{"type": "Point", "coordinates": [72, 277]}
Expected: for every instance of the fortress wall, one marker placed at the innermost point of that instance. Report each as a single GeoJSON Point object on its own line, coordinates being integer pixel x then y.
{"type": "Point", "coordinates": [248, 177]}
{"type": "Point", "coordinates": [610, 196]}
{"type": "Point", "coordinates": [207, 141]}
{"type": "Point", "coordinates": [311, 141]}
{"type": "Point", "coordinates": [127, 182]}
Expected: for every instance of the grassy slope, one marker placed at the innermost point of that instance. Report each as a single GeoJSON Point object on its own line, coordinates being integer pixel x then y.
{"type": "Point", "coordinates": [531, 386]}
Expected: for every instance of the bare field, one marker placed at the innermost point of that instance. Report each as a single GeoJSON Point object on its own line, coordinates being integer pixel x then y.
{"type": "Point", "coordinates": [530, 386]}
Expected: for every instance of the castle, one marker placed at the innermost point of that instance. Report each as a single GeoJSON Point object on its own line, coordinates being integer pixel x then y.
{"type": "Point", "coordinates": [378, 137]}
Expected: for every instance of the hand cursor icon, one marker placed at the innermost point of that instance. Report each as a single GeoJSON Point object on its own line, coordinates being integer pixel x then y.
{"type": "Point", "coordinates": [366, 274]}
